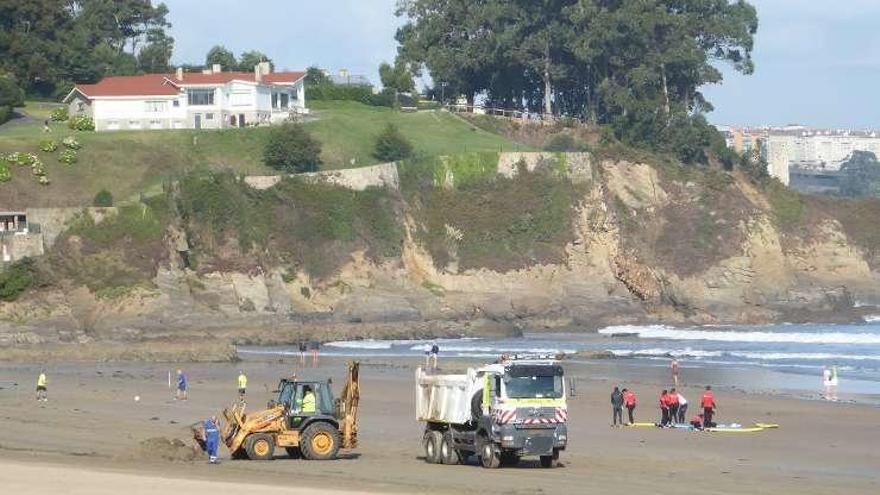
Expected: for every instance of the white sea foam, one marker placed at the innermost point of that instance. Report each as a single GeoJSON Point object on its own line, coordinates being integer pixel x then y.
{"type": "Point", "coordinates": [669, 333]}
{"type": "Point", "coordinates": [756, 355]}
{"type": "Point", "coordinates": [871, 318]}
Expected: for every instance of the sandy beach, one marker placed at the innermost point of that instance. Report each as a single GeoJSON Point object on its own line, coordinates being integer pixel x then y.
{"type": "Point", "coordinates": [88, 437]}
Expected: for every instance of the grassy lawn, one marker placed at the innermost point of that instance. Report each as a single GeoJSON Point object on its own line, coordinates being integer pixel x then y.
{"type": "Point", "coordinates": [130, 163]}
{"type": "Point", "coordinates": [40, 110]}
{"type": "Point", "coordinates": [349, 129]}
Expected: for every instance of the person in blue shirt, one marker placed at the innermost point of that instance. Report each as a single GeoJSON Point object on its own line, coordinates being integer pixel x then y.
{"type": "Point", "coordinates": [212, 438]}
{"type": "Point", "coordinates": [181, 386]}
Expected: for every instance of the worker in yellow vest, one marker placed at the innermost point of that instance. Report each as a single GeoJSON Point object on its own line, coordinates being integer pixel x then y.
{"type": "Point", "coordinates": [242, 384]}
{"type": "Point", "coordinates": [42, 381]}
{"type": "Point", "coordinates": [308, 402]}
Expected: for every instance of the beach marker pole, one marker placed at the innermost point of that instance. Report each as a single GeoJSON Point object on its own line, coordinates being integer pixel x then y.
{"type": "Point", "coordinates": [169, 379]}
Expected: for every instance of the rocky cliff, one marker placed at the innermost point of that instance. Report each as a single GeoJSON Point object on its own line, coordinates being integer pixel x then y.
{"type": "Point", "coordinates": [451, 246]}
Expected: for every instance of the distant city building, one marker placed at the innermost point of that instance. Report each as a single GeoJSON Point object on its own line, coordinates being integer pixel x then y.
{"type": "Point", "coordinates": [346, 78]}
{"type": "Point", "coordinates": [799, 148]}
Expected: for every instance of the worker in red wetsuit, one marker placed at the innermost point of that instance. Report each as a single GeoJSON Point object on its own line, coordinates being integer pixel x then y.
{"type": "Point", "coordinates": [664, 409]}
{"type": "Point", "coordinates": [708, 404]}
{"type": "Point", "coordinates": [672, 402]}
{"type": "Point", "coordinates": [629, 401]}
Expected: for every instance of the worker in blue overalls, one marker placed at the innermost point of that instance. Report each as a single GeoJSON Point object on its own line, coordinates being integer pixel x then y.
{"type": "Point", "coordinates": [212, 438]}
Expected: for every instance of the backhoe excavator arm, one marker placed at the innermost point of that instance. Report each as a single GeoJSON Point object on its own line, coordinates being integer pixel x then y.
{"type": "Point", "coordinates": [348, 407]}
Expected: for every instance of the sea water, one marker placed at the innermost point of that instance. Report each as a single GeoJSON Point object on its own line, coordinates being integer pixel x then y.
{"type": "Point", "coordinates": [789, 348]}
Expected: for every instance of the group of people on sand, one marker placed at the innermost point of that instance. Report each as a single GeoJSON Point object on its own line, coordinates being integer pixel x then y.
{"type": "Point", "coordinates": [673, 406]}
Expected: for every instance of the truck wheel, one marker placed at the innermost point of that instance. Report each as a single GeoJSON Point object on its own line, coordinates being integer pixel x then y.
{"type": "Point", "coordinates": [260, 447]}
{"type": "Point", "coordinates": [547, 461]}
{"type": "Point", "coordinates": [490, 458]}
{"type": "Point", "coordinates": [320, 442]}
{"type": "Point", "coordinates": [448, 454]}
{"type": "Point", "coordinates": [433, 440]}
{"type": "Point", "coordinates": [293, 452]}
{"type": "Point", "coordinates": [240, 454]}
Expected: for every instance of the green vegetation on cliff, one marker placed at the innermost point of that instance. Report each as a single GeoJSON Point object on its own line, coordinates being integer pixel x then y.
{"type": "Point", "coordinates": [473, 218]}
{"type": "Point", "coordinates": [297, 224]}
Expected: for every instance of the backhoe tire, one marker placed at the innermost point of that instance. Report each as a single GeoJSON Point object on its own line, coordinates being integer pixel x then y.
{"type": "Point", "coordinates": [547, 461]}
{"type": "Point", "coordinates": [260, 447]}
{"type": "Point", "coordinates": [490, 457]}
{"type": "Point", "coordinates": [432, 442]}
{"type": "Point", "coordinates": [293, 452]}
{"type": "Point", "coordinates": [240, 454]}
{"type": "Point", "coordinates": [448, 454]}
{"type": "Point", "coordinates": [320, 442]}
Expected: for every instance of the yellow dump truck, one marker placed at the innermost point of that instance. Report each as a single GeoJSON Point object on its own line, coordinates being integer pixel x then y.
{"type": "Point", "coordinates": [304, 420]}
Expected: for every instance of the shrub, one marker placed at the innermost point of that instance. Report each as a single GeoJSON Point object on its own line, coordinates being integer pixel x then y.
{"type": "Point", "coordinates": [5, 174]}
{"type": "Point", "coordinates": [60, 114]}
{"type": "Point", "coordinates": [17, 279]}
{"type": "Point", "coordinates": [68, 157]}
{"type": "Point", "coordinates": [81, 123]}
{"type": "Point", "coordinates": [10, 94]}
{"type": "Point", "coordinates": [5, 113]}
{"type": "Point", "coordinates": [48, 146]}
{"type": "Point", "coordinates": [71, 143]}
{"type": "Point", "coordinates": [103, 199]}
{"type": "Point", "coordinates": [392, 146]}
{"type": "Point", "coordinates": [22, 159]}
{"type": "Point", "coordinates": [290, 148]}
{"type": "Point", "coordinates": [564, 142]}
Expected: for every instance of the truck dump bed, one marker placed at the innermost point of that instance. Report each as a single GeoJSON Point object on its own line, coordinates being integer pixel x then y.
{"type": "Point", "coordinates": [445, 398]}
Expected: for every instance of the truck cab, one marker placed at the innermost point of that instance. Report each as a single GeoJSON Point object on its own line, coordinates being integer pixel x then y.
{"type": "Point", "coordinates": [500, 412]}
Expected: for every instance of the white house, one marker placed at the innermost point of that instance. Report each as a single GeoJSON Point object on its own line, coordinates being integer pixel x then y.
{"type": "Point", "coordinates": [212, 99]}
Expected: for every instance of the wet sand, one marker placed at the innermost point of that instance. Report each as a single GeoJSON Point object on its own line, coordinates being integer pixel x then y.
{"type": "Point", "coordinates": [90, 431]}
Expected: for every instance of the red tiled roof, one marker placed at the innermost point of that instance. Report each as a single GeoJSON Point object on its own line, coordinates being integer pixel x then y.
{"type": "Point", "coordinates": [146, 85]}
{"type": "Point", "coordinates": [167, 84]}
{"type": "Point", "coordinates": [225, 77]}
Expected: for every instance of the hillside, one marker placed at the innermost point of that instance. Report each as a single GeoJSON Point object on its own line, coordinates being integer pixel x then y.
{"type": "Point", "coordinates": [473, 243]}
{"type": "Point", "coordinates": [129, 163]}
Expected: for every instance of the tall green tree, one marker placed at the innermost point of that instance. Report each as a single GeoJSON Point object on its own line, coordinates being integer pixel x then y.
{"type": "Point", "coordinates": [249, 60]}
{"type": "Point", "coordinates": [155, 56]}
{"type": "Point", "coordinates": [220, 55]}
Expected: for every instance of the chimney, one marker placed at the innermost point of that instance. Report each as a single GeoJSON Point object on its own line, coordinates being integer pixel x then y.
{"type": "Point", "coordinates": [262, 69]}
{"type": "Point", "coordinates": [216, 68]}
{"type": "Point", "coordinates": [180, 73]}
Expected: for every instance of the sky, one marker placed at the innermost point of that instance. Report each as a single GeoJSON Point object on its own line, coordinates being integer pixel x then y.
{"type": "Point", "coordinates": [817, 61]}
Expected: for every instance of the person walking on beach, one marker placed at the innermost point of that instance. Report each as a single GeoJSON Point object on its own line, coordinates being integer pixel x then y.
{"type": "Point", "coordinates": [616, 408]}
{"type": "Point", "coordinates": [42, 382]}
{"type": "Point", "coordinates": [242, 384]}
{"type": "Point", "coordinates": [664, 408]}
{"type": "Point", "coordinates": [675, 369]}
{"type": "Point", "coordinates": [834, 383]}
{"type": "Point", "coordinates": [708, 404]}
{"type": "Point", "coordinates": [629, 400]}
{"type": "Point", "coordinates": [673, 407]}
{"type": "Point", "coordinates": [182, 386]}
{"type": "Point", "coordinates": [316, 349]}
{"type": "Point", "coordinates": [302, 353]}
{"type": "Point", "coordinates": [682, 408]}
{"type": "Point", "coordinates": [435, 352]}
{"type": "Point", "coordinates": [212, 438]}
{"type": "Point", "coordinates": [826, 381]}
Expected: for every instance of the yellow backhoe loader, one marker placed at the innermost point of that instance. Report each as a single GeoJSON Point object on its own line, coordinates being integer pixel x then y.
{"type": "Point", "coordinates": [304, 420]}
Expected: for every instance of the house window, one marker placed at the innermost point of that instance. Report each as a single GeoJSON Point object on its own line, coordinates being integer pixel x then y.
{"type": "Point", "coordinates": [155, 124]}
{"type": "Point", "coordinates": [134, 124]}
{"type": "Point", "coordinates": [80, 106]}
{"type": "Point", "coordinates": [274, 100]}
{"type": "Point", "coordinates": [112, 125]}
{"type": "Point", "coordinates": [209, 116]}
{"type": "Point", "coordinates": [200, 97]}
{"type": "Point", "coordinates": [241, 98]}
{"type": "Point", "coordinates": [176, 103]}
{"type": "Point", "coordinates": [156, 106]}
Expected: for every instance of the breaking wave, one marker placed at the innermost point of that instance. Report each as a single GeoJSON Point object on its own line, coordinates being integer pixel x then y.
{"type": "Point", "coordinates": [669, 333]}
